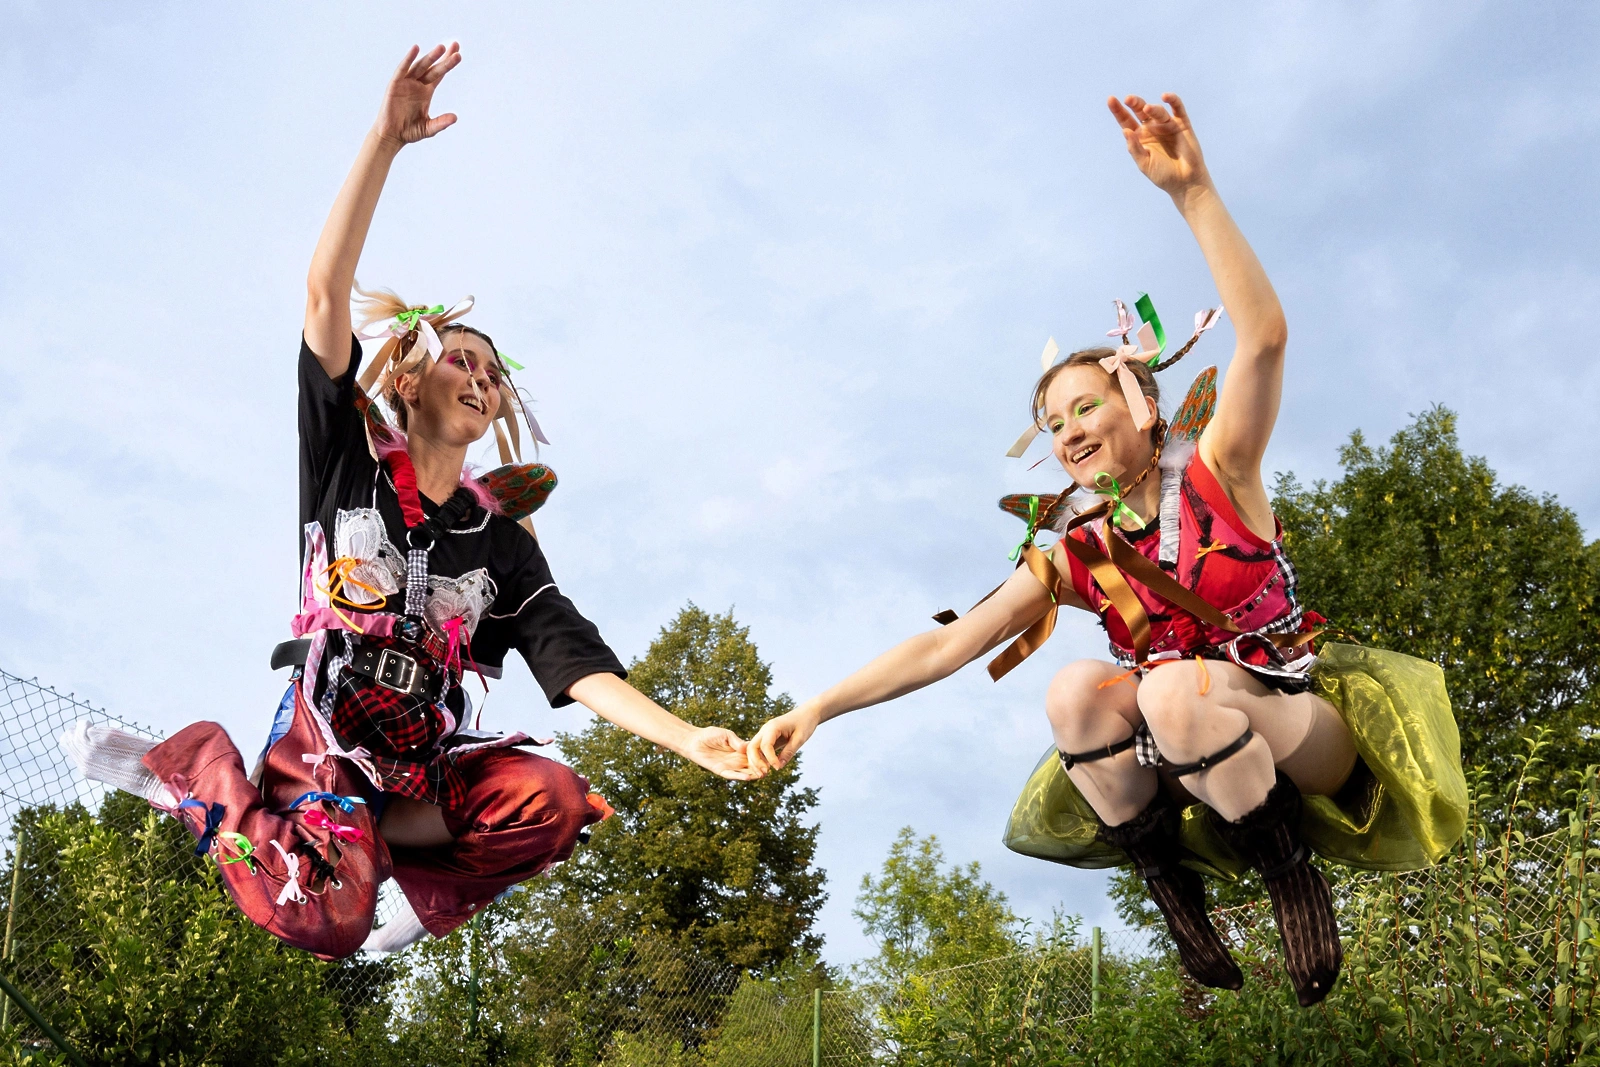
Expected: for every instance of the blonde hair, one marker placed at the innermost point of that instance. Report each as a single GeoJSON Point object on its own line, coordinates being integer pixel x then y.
{"type": "Point", "coordinates": [376, 305]}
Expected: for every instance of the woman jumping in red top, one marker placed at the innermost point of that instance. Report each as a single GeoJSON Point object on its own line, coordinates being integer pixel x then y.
{"type": "Point", "coordinates": [1216, 696]}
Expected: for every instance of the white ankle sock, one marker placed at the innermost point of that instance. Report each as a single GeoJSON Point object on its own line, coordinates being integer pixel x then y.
{"type": "Point", "coordinates": [402, 929]}
{"type": "Point", "coordinates": [103, 754]}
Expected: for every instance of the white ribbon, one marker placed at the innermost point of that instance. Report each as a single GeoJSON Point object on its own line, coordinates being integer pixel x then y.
{"type": "Point", "coordinates": [1046, 359]}
{"type": "Point", "coordinates": [291, 888]}
{"type": "Point", "coordinates": [394, 327]}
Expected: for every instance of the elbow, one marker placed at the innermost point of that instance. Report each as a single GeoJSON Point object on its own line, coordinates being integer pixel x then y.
{"type": "Point", "coordinates": [319, 297]}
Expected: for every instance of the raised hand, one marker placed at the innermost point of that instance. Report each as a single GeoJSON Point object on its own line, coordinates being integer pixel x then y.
{"type": "Point", "coordinates": [720, 752]}
{"type": "Point", "coordinates": [779, 739]}
{"type": "Point", "coordinates": [1161, 142]}
{"type": "Point", "coordinates": [404, 118]}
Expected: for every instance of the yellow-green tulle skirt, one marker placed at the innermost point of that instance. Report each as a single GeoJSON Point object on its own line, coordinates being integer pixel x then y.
{"type": "Point", "coordinates": [1403, 810]}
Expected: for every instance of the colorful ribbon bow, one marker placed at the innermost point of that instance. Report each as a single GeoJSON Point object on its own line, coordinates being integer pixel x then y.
{"type": "Point", "coordinates": [213, 821]}
{"type": "Point", "coordinates": [318, 821]}
{"type": "Point", "coordinates": [346, 804]}
{"type": "Point", "coordinates": [411, 319]}
{"type": "Point", "coordinates": [242, 844]}
{"type": "Point", "coordinates": [1107, 486]}
{"type": "Point", "coordinates": [1033, 527]}
{"type": "Point", "coordinates": [291, 887]}
{"type": "Point", "coordinates": [1152, 342]}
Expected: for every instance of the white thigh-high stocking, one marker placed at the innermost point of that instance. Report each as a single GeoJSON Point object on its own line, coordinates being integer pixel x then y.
{"type": "Point", "coordinates": [403, 929]}
{"type": "Point", "coordinates": [104, 754]}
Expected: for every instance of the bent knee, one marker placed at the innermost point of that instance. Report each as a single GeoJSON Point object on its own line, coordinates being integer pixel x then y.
{"type": "Point", "coordinates": [1081, 689]}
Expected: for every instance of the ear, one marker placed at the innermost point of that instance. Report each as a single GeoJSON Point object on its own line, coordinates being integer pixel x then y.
{"type": "Point", "coordinates": [409, 385]}
{"type": "Point", "coordinates": [1152, 407]}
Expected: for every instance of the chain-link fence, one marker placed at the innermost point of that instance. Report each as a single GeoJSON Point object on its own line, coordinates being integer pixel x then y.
{"type": "Point", "coordinates": [1499, 938]}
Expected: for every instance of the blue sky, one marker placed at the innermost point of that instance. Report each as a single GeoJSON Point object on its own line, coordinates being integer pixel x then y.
{"type": "Point", "coordinates": [780, 276]}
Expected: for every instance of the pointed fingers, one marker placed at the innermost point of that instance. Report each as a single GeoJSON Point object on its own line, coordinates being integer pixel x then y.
{"type": "Point", "coordinates": [405, 64]}
{"type": "Point", "coordinates": [449, 62]}
{"type": "Point", "coordinates": [420, 66]}
{"type": "Point", "coordinates": [1176, 104]}
{"type": "Point", "coordinates": [1121, 114]}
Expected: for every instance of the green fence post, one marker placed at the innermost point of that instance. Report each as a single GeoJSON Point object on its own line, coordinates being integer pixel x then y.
{"type": "Point", "coordinates": [816, 1027]}
{"type": "Point", "coordinates": [11, 915]}
{"type": "Point", "coordinates": [1094, 970]}
{"type": "Point", "coordinates": [41, 1022]}
{"type": "Point", "coordinates": [472, 977]}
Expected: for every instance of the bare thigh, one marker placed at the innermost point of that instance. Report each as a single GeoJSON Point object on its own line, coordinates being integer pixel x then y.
{"type": "Point", "coordinates": [1308, 739]}
{"type": "Point", "coordinates": [413, 823]}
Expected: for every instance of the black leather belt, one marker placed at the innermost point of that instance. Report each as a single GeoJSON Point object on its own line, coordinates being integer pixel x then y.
{"type": "Point", "coordinates": [397, 671]}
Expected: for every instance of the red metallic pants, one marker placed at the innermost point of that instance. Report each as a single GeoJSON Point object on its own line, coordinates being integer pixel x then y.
{"type": "Point", "coordinates": [522, 814]}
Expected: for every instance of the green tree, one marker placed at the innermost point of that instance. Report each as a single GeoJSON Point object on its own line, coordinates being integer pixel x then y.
{"type": "Point", "coordinates": [688, 851]}
{"type": "Point", "coordinates": [126, 941]}
{"type": "Point", "coordinates": [638, 941]}
{"type": "Point", "coordinates": [1419, 549]}
{"type": "Point", "coordinates": [924, 917]}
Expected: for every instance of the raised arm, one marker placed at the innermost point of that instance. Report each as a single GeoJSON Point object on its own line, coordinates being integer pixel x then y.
{"type": "Point", "coordinates": [1163, 146]}
{"type": "Point", "coordinates": [914, 663]}
{"type": "Point", "coordinates": [402, 120]}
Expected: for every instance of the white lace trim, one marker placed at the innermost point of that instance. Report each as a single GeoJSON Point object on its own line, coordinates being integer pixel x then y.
{"type": "Point", "coordinates": [361, 535]}
{"type": "Point", "coordinates": [465, 598]}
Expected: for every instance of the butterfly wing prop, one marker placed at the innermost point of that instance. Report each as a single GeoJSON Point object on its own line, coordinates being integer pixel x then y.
{"type": "Point", "coordinates": [521, 488]}
{"type": "Point", "coordinates": [1194, 414]}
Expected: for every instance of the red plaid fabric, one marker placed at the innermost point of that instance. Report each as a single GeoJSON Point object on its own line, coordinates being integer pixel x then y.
{"type": "Point", "coordinates": [402, 732]}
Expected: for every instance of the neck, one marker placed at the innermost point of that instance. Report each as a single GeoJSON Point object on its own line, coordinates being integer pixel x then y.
{"type": "Point", "coordinates": [438, 467]}
{"type": "Point", "coordinates": [1145, 498]}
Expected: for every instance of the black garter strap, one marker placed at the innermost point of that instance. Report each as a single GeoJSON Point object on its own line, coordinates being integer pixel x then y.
{"type": "Point", "coordinates": [1178, 770]}
{"type": "Point", "coordinates": [1071, 759]}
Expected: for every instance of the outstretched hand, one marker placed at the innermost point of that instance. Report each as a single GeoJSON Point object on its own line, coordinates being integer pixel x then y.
{"type": "Point", "coordinates": [404, 118]}
{"type": "Point", "coordinates": [1161, 142]}
{"type": "Point", "coordinates": [779, 740]}
{"type": "Point", "coordinates": [721, 752]}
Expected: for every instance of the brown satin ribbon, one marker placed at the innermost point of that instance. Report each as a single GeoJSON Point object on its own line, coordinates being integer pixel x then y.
{"type": "Point", "coordinates": [1040, 565]}
{"type": "Point", "coordinates": [1108, 572]}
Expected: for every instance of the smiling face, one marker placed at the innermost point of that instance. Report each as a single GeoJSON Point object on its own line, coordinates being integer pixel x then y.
{"type": "Point", "coordinates": [452, 401]}
{"type": "Point", "coordinates": [1091, 430]}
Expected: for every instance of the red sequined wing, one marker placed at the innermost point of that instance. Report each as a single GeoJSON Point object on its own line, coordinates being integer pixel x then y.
{"type": "Point", "coordinates": [521, 488]}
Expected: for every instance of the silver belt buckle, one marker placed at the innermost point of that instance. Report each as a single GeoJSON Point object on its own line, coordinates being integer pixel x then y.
{"type": "Point", "coordinates": [396, 671]}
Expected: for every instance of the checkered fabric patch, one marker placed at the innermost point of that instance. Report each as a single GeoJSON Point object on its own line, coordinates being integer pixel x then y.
{"type": "Point", "coordinates": [1144, 747]}
{"type": "Point", "coordinates": [401, 732]}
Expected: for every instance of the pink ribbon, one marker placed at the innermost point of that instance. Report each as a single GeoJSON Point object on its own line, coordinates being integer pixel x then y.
{"type": "Point", "coordinates": [318, 821]}
{"type": "Point", "coordinates": [1126, 323]}
{"type": "Point", "coordinates": [1118, 365]}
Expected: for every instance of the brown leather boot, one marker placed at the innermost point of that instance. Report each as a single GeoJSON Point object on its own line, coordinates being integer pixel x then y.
{"type": "Point", "coordinates": [1302, 903]}
{"type": "Point", "coordinates": [1150, 839]}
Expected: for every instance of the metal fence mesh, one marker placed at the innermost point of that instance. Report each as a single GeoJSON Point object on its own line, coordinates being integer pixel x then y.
{"type": "Point", "coordinates": [594, 992]}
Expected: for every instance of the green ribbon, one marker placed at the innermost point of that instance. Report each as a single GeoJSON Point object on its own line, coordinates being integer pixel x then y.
{"type": "Point", "coordinates": [1147, 313]}
{"type": "Point", "coordinates": [408, 319]}
{"type": "Point", "coordinates": [1033, 527]}
{"type": "Point", "coordinates": [1107, 486]}
{"type": "Point", "coordinates": [242, 843]}
{"type": "Point", "coordinates": [508, 361]}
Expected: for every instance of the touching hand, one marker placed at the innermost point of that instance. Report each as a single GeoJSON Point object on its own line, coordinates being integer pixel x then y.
{"type": "Point", "coordinates": [720, 752]}
{"type": "Point", "coordinates": [404, 118]}
{"type": "Point", "coordinates": [1161, 142]}
{"type": "Point", "coordinates": [779, 739]}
